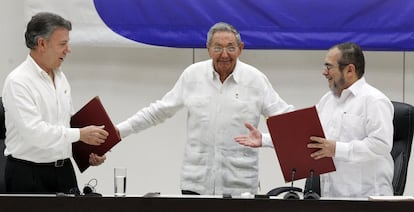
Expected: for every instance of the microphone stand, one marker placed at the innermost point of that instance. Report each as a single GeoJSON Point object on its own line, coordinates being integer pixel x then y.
{"type": "Point", "coordinates": [290, 189]}
{"type": "Point", "coordinates": [291, 194]}
{"type": "Point", "coordinates": [310, 194]}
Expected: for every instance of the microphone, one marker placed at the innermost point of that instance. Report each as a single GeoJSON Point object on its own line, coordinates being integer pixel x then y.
{"type": "Point", "coordinates": [89, 189]}
{"type": "Point", "coordinates": [310, 194]}
{"type": "Point", "coordinates": [290, 189]}
{"type": "Point", "coordinates": [291, 194]}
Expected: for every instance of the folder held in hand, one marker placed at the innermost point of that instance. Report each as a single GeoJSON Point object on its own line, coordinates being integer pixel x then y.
{"type": "Point", "coordinates": [290, 133]}
{"type": "Point", "coordinates": [93, 113]}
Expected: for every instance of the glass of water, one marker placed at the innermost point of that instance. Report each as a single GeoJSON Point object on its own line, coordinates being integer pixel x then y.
{"type": "Point", "coordinates": [120, 174]}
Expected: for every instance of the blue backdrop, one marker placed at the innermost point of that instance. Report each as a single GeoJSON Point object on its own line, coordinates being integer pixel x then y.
{"type": "Point", "coordinates": [265, 24]}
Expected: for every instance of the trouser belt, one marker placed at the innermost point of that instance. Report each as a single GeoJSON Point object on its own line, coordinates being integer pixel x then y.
{"type": "Point", "coordinates": [58, 163]}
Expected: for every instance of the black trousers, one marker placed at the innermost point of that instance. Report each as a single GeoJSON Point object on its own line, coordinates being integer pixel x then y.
{"type": "Point", "coordinates": [27, 177]}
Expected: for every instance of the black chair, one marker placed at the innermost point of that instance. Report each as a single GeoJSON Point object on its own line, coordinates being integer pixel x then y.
{"type": "Point", "coordinates": [401, 149]}
{"type": "Point", "coordinates": [2, 146]}
{"type": "Point", "coordinates": [403, 138]}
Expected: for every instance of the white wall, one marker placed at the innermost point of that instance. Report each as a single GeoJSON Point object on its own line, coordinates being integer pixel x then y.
{"type": "Point", "coordinates": [128, 79]}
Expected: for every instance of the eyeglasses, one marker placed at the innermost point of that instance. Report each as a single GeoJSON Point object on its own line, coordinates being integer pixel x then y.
{"type": "Point", "coordinates": [328, 67]}
{"type": "Point", "coordinates": [229, 49]}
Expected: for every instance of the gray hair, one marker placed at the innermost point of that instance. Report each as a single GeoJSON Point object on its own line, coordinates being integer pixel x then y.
{"type": "Point", "coordinates": [222, 27]}
{"type": "Point", "coordinates": [42, 25]}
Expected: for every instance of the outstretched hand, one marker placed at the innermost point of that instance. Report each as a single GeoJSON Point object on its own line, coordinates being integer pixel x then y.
{"type": "Point", "coordinates": [93, 135]}
{"type": "Point", "coordinates": [253, 139]}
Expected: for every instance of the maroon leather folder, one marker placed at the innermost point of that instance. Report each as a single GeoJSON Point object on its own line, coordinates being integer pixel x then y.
{"type": "Point", "coordinates": [290, 133]}
{"type": "Point", "coordinates": [93, 113]}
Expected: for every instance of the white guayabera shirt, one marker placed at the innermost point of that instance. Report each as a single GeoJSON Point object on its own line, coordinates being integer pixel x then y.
{"type": "Point", "coordinates": [213, 162]}
{"type": "Point", "coordinates": [360, 121]}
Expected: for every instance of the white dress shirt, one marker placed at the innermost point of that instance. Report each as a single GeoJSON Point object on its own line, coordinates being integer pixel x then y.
{"type": "Point", "coordinates": [38, 114]}
{"type": "Point", "coordinates": [361, 123]}
{"type": "Point", "coordinates": [213, 162]}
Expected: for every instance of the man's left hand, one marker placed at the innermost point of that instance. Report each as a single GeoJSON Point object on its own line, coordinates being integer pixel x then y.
{"type": "Point", "coordinates": [96, 160]}
{"type": "Point", "coordinates": [253, 139]}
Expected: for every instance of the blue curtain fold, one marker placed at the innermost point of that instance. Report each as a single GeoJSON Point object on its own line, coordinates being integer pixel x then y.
{"type": "Point", "coordinates": [386, 25]}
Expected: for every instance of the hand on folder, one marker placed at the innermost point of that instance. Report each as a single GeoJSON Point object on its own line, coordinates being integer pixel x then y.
{"type": "Point", "coordinates": [326, 147]}
{"type": "Point", "coordinates": [96, 160]}
{"type": "Point", "coordinates": [99, 134]}
{"type": "Point", "coordinates": [93, 135]}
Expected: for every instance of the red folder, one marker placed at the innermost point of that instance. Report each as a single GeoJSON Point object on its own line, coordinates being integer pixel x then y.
{"type": "Point", "coordinates": [93, 113]}
{"type": "Point", "coordinates": [290, 133]}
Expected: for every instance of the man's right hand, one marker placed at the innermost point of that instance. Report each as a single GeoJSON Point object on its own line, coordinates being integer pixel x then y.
{"type": "Point", "coordinates": [93, 135]}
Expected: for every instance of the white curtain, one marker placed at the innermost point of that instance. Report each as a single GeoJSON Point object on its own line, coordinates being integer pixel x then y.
{"type": "Point", "coordinates": [87, 27]}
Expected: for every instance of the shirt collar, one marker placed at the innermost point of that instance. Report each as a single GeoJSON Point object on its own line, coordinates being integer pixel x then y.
{"type": "Point", "coordinates": [38, 68]}
{"type": "Point", "coordinates": [235, 74]}
{"type": "Point", "coordinates": [356, 87]}
{"type": "Point", "coordinates": [353, 90]}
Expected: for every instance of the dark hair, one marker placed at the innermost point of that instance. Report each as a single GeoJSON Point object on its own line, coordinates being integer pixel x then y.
{"type": "Point", "coordinates": [42, 25]}
{"type": "Point", "coordinates": [222, 27]}
{"type": "Point", "coordinates": [351, 54]}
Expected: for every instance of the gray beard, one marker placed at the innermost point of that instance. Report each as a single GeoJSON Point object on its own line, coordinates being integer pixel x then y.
{"type": "Point", "coordinates": [338, 86]}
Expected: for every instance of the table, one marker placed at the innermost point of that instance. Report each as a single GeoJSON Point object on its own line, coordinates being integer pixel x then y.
{"type": "Point", "coordinates": [194, 204]}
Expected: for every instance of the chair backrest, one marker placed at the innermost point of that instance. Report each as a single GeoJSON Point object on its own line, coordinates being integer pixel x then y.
{"type": "Point", "coordinates": [401, 149]}
{"type": "Point", "coordinates": [2, 146]}
{"type": "Point", "coordinates": [2, 124]}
